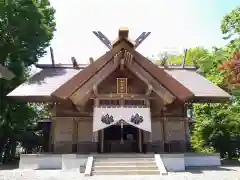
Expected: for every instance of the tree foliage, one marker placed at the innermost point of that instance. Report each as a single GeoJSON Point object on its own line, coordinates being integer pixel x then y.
{"type": "Point", "coordinates": [230, 27]}
{"type": "Point", "coordinates": [217, 126]}
{"type": "Point", "coordinates": [26, 28]}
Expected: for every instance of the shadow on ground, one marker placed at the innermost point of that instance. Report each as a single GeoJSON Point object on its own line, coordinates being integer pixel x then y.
{"type": "Point", "coordinates": [200, 170]}
{"type": "Point", "coordinates": [9, 166]}
{"type": "Point", "coordinates": [230, 162]}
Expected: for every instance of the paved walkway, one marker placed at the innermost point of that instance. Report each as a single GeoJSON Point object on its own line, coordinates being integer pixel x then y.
{"type": "Point", "coordinates": [223, 173]}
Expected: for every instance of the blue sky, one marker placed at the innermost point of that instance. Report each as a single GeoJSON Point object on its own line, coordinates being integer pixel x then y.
{"type": "Point", "coordinates": [175, 25]}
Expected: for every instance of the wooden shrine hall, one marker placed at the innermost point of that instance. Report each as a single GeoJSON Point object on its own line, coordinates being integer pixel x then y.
{"type": "Point", "coordinates": [120, 102]}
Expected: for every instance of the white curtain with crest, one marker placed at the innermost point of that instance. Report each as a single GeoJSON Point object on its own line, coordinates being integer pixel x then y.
{"type": "Point", "coordinates": [136, 116]}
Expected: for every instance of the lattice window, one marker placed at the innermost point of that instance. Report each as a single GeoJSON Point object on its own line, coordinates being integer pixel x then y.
{"type": "Point", "coordinates": [109, 102]}
{"type": "Point", "coordinates": [134, 102]}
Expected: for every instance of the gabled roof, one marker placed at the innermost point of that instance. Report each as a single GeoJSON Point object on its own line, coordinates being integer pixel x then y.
{"type": "Point", "coordinates": [202, 88]}
{"type": "Point", "coordinates": [171, 84]}
{"type": "Point", "coordinates": [68, 88]}
{"type": "Point", "coordinates": [63, 83]}
{"type": "Point", "coordinates": [40, 86]}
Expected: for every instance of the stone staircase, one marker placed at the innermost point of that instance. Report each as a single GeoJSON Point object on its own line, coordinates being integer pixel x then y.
{"type": "Point", "coordinates": [125, 164]}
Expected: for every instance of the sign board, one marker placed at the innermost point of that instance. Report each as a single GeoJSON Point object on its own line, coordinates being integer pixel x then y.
{"type": "Point", "coordinates": [121, 85]}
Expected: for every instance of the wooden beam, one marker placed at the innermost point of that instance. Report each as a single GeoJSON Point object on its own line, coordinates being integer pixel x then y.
{"type": "Point", "coordinates": [84, 93]}
{"type": "Point", "coordinates": [141, 38]}
{"type": "Point", "coordinates": [96, 102]}
{"type": "Point", "coordinates": [177, 118]}
{"type": "Point", "coordinates": [149, 90]}
{"type": "Point", "coordinates": [95, 89]}
{"type": "Point", "coordinates": [103, 38]}
{"type": "Point", "coordinates": [123, 96]}
{"type": "Point", "coordinates": [128, 56]}
{"type": "Point", "coordinates": [150, 81]}
{"type": "Point", "coordinates": [122, 61]}
{"type": "Point", "coordinates": [118, 56]}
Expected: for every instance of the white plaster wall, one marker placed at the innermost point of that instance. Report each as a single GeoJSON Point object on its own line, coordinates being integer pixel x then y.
{"type": "Point", "coordinates": [40, 161]}
{"type": "Point", "coordinates": [173, 162]}
{"type": "Point", "coordinates": [175, 131]}
{"type": "Point", "coordinates": [195, 159]}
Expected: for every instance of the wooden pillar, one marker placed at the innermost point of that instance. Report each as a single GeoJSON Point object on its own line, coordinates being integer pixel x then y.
{"type": "Point", "coordinates": [102, 140]}
{"type": "Point", "coordinates": [75, 135]}
{"type": "Point", "coordinates": [164, 132]}
{"type": "Point", "coordinates": [140, 140]}
{"type": "Point", "coordinates": [163, 111]}
{"type": "Point", "coordinates": [147, 104]}
{"type": "Point", "coordinates": [96, 134]}
{"type": "Point", "coordinates": [122, 102]}
{"type": "Point", "coordinates": [186, 128]}
{"type": "Point", "coordinates": [52, 135]}
{"type": "Point", "coordinates": [164, 129]}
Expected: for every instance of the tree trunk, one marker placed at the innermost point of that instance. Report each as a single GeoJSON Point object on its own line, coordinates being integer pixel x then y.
{"type": "Point", "coordinates": [3, 141]}
{"type": "Point", "coordinates": [13, 148]}
{"type": "Point", "coordinates": [230, 155]}
{"type": "Point", "coordinates": [6, 156]}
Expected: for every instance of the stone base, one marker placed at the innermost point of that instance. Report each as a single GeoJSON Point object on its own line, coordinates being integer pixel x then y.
{"type": "Point", "coordinates": [202, 159]}
{"type": "Point", "coordinates": [40, 161]}
{"type": "Point", "coordinates": [172, 162]}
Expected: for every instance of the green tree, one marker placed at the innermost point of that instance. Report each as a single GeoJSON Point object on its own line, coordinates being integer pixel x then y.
{"type": "Point", "coordinates": [217, 125]}
{"type": "Point", "coordinates": [26, 29]}
{"type": "Point", "coordinates": [193, 57]}
{"type": "Point", "coordinates": [230, 27]}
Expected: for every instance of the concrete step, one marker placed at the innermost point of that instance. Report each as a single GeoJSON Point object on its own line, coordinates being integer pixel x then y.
{"type": "Point", "coordinates": [124, 168]}
{"type": "Point", "coordinates": [130, 163]}
{"type": "Point", "coordinates": [124, 159]}
{"type": "Point", "coordinates": [133, 155]}
{"type": "Point", "coordinates": [126, 172]}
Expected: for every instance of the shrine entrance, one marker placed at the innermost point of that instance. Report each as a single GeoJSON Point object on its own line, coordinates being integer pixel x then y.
{"type": "Point", "coordinates": [120, 129]}
{"type": "Point", "coordinates": [122, 138]}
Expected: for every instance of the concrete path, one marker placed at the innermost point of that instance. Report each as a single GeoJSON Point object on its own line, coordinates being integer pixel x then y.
{"type": "Point", "coordinates": [223, 173]}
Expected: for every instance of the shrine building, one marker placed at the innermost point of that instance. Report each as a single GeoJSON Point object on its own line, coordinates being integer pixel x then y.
{"type": "Point", "coordinates": [120, 102]}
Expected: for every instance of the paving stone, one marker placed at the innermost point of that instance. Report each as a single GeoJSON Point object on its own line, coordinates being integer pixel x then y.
{"type": "Point", "coordinates": [223, 173]}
